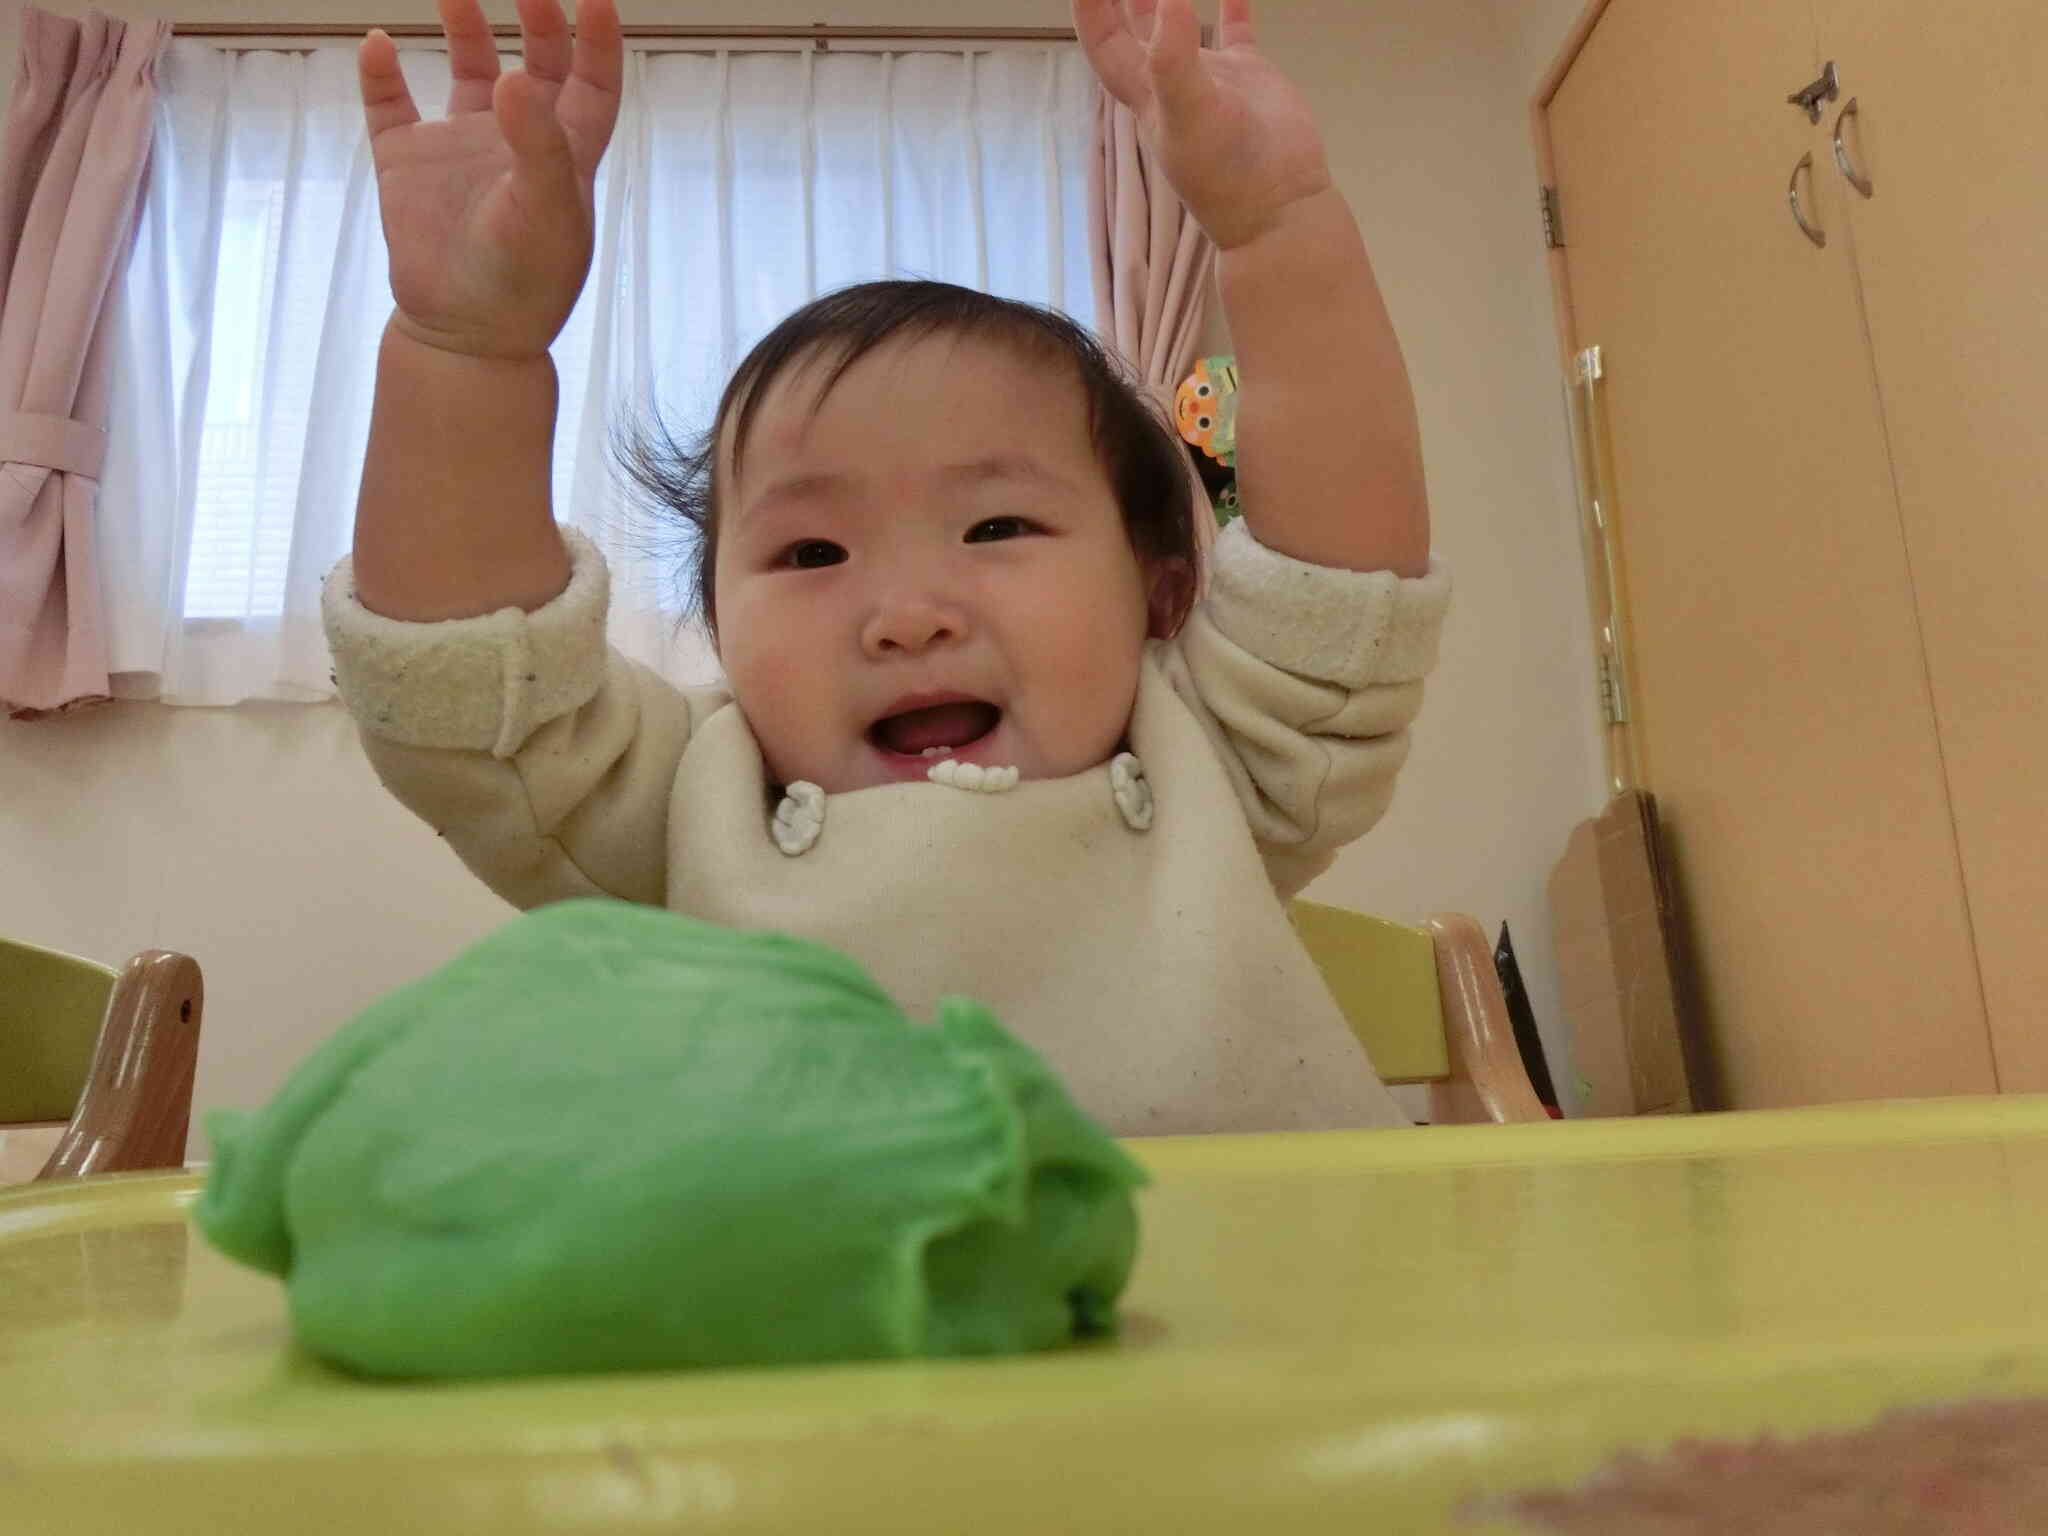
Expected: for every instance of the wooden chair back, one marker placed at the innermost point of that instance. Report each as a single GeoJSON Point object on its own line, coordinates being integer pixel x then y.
{"type": "Point", "coordinates": [109, 1057]}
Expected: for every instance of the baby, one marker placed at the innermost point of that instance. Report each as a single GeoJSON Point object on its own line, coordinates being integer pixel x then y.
{"type": "Point", "coordinates": [976, 729]}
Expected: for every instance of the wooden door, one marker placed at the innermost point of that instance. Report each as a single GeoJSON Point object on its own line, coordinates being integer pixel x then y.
{"type": "Point", "coordinates": [1951, 129]}
{"type": "Point", "coordinates": [1780, 694]}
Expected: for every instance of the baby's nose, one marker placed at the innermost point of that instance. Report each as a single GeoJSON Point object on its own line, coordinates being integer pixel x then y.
{"type": "Point", "coordinates": [909, 624]}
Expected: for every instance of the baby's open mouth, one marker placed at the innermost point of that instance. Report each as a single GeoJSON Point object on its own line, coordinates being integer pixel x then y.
{"type": "Point", "coordinates": [936, 729]}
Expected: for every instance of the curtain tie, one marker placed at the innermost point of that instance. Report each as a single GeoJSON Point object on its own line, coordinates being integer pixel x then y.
{"type": "Point", "coordinates": [54, 442]}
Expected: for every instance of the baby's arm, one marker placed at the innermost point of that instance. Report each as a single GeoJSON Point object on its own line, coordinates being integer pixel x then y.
{"type": "Point", "coordinates": [1306, 679]}
{"type": "Point", "coordinates": [1305, 662]}
{"type": "Point", "coordinates": [487, 215]}
{"type": "Point", "coordinates": [1329, 461]}
{"type": "Point", "coordinates": [468, 637]}
{"type": "Point", "coordinates": [454, 516]}
{"type": "Point", "coordinates": [1329, 458]}
{"type": "Point", "coordinates": [545, 759]}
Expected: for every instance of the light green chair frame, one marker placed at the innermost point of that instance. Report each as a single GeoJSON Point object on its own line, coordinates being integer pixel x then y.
{"type": "Point", "coordinates": [1427, 1006]}
{"type": "Point", "coordinates": [108, 1055]}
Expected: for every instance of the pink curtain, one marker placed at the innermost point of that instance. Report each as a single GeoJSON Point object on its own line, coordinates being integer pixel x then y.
{"type": "Point", "coordinates": [1152, 265]}
{"type": "Point", "coordinates": [77, 139]}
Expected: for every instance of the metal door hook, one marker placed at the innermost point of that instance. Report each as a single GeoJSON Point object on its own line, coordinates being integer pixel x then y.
{"type": "Point", "coordinates": [1808, 98]}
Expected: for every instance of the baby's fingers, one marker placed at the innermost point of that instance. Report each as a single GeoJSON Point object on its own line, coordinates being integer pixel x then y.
{"type": "Point", "coordinates": [1114, 52]}
{"type": "Point", "coordinates": [387, 103]}
{"type": "Point", "coordinates": [1234, 25]}
{"type": "Point", "coordinates": [1175, 59]}
{"type": "Point", "coordinates": [472, 56]}
{"type": "Point", "coordinates": [589, 104]}
{"type": "Point", "coordinates": [526, 117]}
{"type": "Point", "coordinates": [544, 40]}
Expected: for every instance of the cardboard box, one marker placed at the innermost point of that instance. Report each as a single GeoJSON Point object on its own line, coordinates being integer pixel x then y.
{"type": "Point", "coordinates": [1611, 913]}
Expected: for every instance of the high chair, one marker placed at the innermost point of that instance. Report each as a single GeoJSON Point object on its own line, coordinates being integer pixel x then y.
{"type": "Point", "coordinates": [1427, 1006]}
{"type": "Point", "coordinates": [104, 1059]}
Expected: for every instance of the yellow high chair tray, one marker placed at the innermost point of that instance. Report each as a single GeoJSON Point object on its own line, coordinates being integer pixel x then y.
{"type": "Point", "coordinates": [1327, 1333]}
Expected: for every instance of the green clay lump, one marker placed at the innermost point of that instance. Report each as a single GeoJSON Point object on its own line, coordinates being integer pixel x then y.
{"type": "Point", "coordinates": [611, 1138]}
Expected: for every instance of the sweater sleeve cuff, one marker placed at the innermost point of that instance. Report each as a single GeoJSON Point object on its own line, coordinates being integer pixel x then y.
{"type": "Point", "coordinates": [479, 684]}
{"type": "Point", "coordinates": [1351, 628]}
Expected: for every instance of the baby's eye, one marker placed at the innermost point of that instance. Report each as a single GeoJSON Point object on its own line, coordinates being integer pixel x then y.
{"type": "Point", "coordinates": [991, 529]}
{"type": "Point", "coordinates": [811, 555]}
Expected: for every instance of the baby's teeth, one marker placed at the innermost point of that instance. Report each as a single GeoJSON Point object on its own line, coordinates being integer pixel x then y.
{"type": "Point", "coordinates": [937, 751]}
{"type": "Point", "coordinates": [988, 780]}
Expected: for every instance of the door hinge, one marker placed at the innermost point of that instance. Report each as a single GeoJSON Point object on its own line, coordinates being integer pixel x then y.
{"type": "Point", "coordinates": [1613, 698]}
{"type": "Point", "coordinates": [1553, 221]}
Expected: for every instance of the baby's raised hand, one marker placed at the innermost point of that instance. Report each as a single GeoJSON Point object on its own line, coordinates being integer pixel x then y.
{"type": "Point", "coordinates": [487, 212]}
{"type": "Point", "coordinates": [1236, 137]}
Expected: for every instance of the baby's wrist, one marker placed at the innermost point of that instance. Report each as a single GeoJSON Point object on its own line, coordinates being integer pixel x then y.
{"type": "Point", "coordinates": [1302, 212]}
{"type": "Point", "coordinates": [410, 333]}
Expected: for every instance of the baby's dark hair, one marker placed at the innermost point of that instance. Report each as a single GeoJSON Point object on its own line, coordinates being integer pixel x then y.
{"type": "Point", "coordinates": [1144, 460]}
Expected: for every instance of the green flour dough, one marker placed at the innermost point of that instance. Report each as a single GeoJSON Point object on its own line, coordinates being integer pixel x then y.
{"type": "Point", "coordinates": [611, 1138]}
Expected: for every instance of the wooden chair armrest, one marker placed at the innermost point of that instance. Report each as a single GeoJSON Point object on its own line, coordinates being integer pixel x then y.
{"type": "Point", "coordinates": [137, 1104]}
{"type": "Point", "coordinates": [1488, 1081]}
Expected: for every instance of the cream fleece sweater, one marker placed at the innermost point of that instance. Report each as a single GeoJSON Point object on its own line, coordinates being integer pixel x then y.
{"type": "Point", "coordinates": [1148, 957]}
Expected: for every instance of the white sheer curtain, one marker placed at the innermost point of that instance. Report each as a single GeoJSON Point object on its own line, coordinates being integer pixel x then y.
{"type": "Point", "coordinates": [739, 185]}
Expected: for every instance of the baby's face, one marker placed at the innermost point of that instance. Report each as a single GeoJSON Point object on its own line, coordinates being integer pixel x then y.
{"type": "Point", "coordinates": [930, 565]}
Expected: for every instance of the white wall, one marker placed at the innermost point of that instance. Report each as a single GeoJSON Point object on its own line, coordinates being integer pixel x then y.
{"type": "Point", "coordinates": [257, 839]}
{"type": "Point", "coordinates": [1535, 32]}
